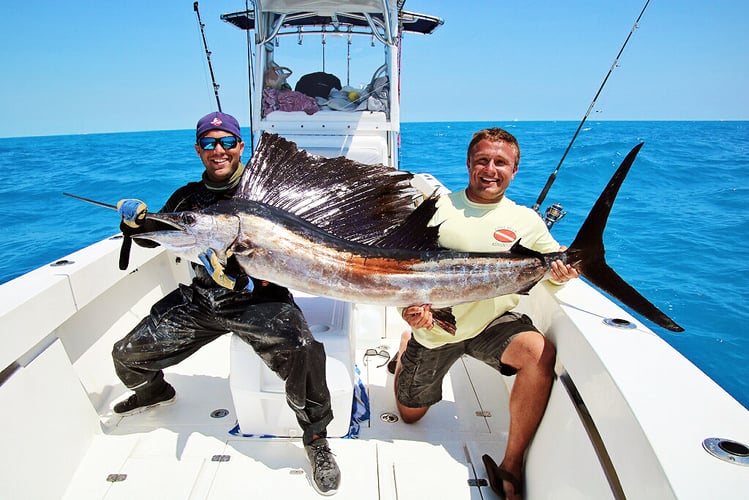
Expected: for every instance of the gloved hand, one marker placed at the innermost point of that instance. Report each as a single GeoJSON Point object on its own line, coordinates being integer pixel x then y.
{"type": "Point", "coordinates": [132, 211]}
{"type": "Point", "coordinates": [214, 267]}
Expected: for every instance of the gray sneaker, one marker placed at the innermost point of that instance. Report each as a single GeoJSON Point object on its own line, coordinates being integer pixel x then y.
{"type": "Point", "coordinates": [325, 473]}
{"type": "Point", "coordinates": [135, 404]}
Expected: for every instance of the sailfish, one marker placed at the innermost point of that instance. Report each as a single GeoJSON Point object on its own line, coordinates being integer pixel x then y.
{"type": "Point", "coordinates": [340, 229]}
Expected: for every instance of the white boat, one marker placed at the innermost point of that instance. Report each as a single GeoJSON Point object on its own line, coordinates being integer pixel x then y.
{"type": "Point", "coordinates": [629, 417]}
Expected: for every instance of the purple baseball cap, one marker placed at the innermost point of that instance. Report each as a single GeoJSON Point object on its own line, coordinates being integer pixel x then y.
{"type": "Point", "coordinates": [218, 121]}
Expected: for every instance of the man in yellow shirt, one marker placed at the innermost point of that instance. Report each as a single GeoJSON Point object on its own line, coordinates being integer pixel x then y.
{"type": "Point", "coordinates": [481, 219]}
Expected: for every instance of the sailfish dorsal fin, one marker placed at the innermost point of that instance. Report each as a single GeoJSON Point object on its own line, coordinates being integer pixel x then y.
{"type": "Point", "coordinates": [351, 200]}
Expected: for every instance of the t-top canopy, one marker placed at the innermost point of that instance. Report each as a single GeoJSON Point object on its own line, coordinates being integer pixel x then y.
{"type": "Point", "coordinates": [332, 14]}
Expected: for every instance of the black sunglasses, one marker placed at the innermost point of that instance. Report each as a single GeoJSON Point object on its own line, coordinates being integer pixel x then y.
{"type": "Point", "coordinates": [209, 143]}
{"type": "Point", "coordinates": [381, 353]}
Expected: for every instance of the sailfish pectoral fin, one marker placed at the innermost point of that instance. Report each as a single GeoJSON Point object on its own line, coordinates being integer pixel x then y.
{"type": "Point", "coordinates": [443, 317]}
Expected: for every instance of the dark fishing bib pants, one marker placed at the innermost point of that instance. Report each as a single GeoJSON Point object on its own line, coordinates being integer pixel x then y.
{"type": "Point", "coordinates": [268, 319]}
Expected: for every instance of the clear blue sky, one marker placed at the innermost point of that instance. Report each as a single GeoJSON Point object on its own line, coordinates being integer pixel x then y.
{"type": "Point", "coordinates": [102, 66]}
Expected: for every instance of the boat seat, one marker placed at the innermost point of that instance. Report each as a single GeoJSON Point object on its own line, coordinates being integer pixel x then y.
{"type": "Point", "coordinates": [258, 393]}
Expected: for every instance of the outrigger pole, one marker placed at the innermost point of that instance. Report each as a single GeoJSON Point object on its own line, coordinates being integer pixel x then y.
{"type": "Point", "coordinates": [207, 55]}
{"type": "Point", "coordinates": [556, 208]}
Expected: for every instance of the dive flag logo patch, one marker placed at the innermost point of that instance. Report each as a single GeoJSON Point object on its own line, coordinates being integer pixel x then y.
{"type": "Point", "coordinates": [505, 235]}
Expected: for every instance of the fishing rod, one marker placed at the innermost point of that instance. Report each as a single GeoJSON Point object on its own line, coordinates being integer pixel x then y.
{"type": "Point", "coordinates": [555, 212]}
{"type": "Point", "coordinates": [207, 55]}
{"type": "Point", "coordinates": [250, 72]}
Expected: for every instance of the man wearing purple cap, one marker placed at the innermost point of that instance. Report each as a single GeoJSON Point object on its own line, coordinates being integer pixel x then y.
{"type": "Point", "coordinates": [221, 300]}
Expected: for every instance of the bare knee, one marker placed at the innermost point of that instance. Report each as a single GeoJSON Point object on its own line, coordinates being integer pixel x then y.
{"type": "Point", "coordinates": [548, 356]}
{"type": "Point", "coordinates": [411, 415]}
{"type": "Point", "coordinates": [408, 415]}
{"type": "Point", "coordinates": [530, 349]}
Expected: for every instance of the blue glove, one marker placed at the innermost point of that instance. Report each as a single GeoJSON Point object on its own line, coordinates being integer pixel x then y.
{"type": "Point", "coordinates": [132, 211]}
{"type": "Point", "coordinates": [214, 267]}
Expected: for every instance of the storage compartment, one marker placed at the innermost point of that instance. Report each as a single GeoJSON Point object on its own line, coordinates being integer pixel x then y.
{"type": "Point", "coordinates": [367, 149]}
{"type": "Point", "coordinates": [258, 393]}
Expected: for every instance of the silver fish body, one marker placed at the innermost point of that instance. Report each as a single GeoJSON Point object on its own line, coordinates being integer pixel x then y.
{"type": "Point", "coordinates": [279, 247]}
{"type": "Point", "coordinates": [274, 245]}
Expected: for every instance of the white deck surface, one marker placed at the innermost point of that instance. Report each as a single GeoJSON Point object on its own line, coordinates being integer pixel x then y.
{"type": "Point", "coordinates": [172, 452]}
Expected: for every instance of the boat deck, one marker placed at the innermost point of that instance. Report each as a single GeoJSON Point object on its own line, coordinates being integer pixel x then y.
{"type": "Point", "coordinates": [181, 451]}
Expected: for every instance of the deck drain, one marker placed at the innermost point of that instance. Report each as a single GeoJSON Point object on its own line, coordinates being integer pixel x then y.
{"type": "Point", "coordinates": [389, 418]}
{"type": "Point", "coordinates": [220, 413]}
{"type": "Point", "coordinates": [727, 450]}
{"type": "Point", "coordinates": [116, 478]}
{"type": "Point", "coordinates": [620, 323]}
{"type": "Point", "coordinates": [220, 458]}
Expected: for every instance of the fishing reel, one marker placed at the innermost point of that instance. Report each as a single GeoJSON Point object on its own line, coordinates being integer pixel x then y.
{"type": "Point", "coordinates": [553, 213]}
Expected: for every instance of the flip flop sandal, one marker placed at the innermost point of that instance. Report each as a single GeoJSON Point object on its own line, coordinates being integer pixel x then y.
{"type": "Point", "coordinates": [497, 475]}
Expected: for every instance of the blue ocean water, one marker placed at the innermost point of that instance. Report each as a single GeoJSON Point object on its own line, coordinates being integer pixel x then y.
{"type": "Point", "coordinates": [678, 231]}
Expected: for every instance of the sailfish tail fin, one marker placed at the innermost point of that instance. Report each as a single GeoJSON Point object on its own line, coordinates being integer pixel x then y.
{"type": "Point", "coordinates": [587, 252]}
